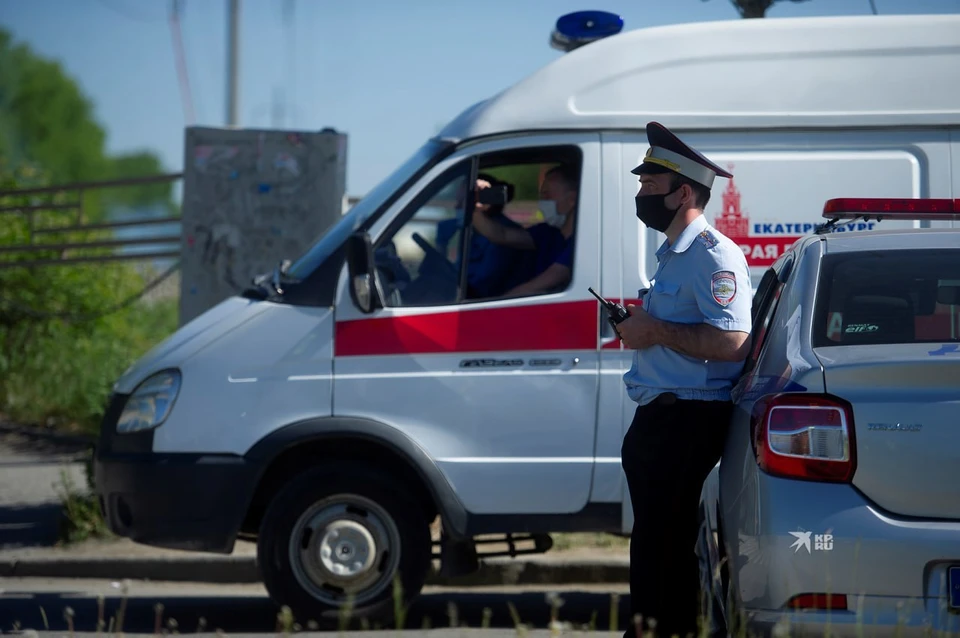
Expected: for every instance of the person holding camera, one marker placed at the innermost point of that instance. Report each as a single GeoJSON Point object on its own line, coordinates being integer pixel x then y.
{"type": "Point", "coordinates": [492, 269]}
{"type": "Point", "coordinates": [551, 239]}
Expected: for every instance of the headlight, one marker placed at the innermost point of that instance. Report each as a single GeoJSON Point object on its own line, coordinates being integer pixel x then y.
{"type": "Point", "coordinates": [150, 403]}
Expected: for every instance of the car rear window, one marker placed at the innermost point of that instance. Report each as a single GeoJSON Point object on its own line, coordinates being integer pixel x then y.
{"type": "Point", "coordinates": [887, 297]}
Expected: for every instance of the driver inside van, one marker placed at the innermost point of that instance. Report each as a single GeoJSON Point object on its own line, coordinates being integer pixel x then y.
{"type": "Point", "coordinates": [551, 239]}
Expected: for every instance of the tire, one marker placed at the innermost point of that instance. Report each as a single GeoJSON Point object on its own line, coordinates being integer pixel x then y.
{"type": "Point", "coordinates": [711, 612]}
{"type": "Point", "coordinates": [341, 510]}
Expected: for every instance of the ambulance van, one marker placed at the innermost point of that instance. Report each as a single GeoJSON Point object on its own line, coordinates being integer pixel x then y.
{"type": "Point", "coordinates": [370, 392]}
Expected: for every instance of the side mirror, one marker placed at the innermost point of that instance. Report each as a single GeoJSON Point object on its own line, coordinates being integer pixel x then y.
{"type": "Point", "coordinates": [360, 268]}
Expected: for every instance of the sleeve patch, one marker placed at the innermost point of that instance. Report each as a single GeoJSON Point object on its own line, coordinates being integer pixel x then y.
{"type": "Point", "coordinates": [707, 239]}
{"type": "Point", "coordinates": [724, 287]}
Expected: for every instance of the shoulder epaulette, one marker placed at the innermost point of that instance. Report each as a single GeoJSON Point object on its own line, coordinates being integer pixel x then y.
{"type": "Point", "coordinates": [707, 238]}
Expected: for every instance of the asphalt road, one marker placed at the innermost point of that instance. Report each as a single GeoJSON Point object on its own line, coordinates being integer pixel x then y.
{"type": "Point", "coordinates": [31, 473]}
{"type": "Point", "coordinates": [39, 605]}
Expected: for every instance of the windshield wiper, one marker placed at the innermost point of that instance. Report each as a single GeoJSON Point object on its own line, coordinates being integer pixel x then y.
{"type": "Point", "coordinates": [269, 284]}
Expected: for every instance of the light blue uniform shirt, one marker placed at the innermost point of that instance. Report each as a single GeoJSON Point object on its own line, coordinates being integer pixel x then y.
{"type": "Point", "coordinates": [702, 278]}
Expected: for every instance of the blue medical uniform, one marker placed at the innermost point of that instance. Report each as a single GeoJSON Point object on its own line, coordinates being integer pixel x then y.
{"type": "Point", "coordinates": [551, 248]}
{"type": "Point", "coordinates": [492, 269]}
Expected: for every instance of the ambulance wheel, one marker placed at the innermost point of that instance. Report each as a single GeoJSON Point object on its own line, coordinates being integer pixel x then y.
{"type": "Point", "coordinates": [334, 539]}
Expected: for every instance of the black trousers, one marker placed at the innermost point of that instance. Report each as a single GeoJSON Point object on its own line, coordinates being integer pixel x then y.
{"type": "Point", "coordinates": [668, 451]}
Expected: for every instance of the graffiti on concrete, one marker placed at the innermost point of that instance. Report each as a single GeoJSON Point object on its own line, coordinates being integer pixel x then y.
{"type": "Point", "coordinates": [251, 199]}
{"type": "Point", "coordinates": [219, 244]}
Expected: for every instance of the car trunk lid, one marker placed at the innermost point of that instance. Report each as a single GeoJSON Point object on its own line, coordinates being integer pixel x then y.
{"type": "Point", "coordinates": [906, 407]}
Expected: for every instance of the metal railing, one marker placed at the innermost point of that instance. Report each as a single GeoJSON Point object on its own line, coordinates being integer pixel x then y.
{"type": "Point", "coordinates": [168, 246]}
{"type": "Point", "coordinates": [72, 212]}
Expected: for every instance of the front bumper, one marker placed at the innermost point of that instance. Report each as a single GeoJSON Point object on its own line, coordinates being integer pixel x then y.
{"type": "Point", "coordinates": [175, 501]}
{"type": "Point", "coordinates": [179, 501]}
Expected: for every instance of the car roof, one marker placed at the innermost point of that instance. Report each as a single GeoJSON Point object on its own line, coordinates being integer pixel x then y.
{"type": "Point", "coordinates": [890, 239]}
{"type": "Point", "coordinates": [817, 71]}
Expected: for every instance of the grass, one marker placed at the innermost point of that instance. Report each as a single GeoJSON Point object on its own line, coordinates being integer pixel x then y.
{"type": "Point", "coordinates": [81, 512]}
{"type": "Point", "coordinates": [58, 374]}
{"type": "Point", "coordinates": [287, 624]}
{"type": "Point", "coordinates": [570, 541]}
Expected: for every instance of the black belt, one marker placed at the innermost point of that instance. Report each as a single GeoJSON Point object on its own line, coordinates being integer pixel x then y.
{"type": "Point", "coordinates": [666, 398]}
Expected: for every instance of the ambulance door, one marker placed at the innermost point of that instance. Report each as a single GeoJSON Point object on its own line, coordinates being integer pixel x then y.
{"type": "Point", "coordinates": [500, 391]}
{"type": "Point", "coordinates": [628, 263]}
{"type": "Point", "coordinates": [952, 190]}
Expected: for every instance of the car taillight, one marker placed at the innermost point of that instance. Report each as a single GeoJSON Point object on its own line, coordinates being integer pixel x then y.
{"type": "Point", "coordinates": [818, 601]}
{"type": "Point", "coordinates": [805, 436]}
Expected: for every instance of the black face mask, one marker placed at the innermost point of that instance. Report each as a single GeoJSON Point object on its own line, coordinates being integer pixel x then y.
{"type": "Point", "coordinates": [653, 212]}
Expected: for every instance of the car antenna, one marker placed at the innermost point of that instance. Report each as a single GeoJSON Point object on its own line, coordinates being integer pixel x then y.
{"type": "Point", "coordinates": [827, 227]}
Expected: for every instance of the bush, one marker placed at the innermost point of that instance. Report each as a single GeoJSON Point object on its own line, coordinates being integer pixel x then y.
{"type": "Point", "coordinates": [64, 337]}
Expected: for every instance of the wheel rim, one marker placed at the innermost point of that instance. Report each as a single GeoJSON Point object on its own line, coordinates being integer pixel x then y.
{"type": "Point", "coordinates": [344, 547]}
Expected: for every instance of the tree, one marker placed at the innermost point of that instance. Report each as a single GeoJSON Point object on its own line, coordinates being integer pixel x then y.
{"type": "Point", "coordinates": [139, 164]}
{"type": "Point", "coordinates": [47, 122]}
{"type": "Point", "coordinates": [754, 8]}
{"type": "Point", "coordinates": [66, 330]}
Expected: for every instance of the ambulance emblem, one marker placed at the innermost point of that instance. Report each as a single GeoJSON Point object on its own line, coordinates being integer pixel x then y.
{"type": "Point", "coordinates": [724, 286]}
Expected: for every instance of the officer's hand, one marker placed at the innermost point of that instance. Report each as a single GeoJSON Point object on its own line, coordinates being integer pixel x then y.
{"type": "Point", "coordinates": [637, 330]}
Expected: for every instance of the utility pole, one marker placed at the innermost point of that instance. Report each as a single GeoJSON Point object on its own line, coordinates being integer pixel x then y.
{"type": "Point", "coordinates": [277, 110]}
{"type": "Point", "coordinates": [233, 54]}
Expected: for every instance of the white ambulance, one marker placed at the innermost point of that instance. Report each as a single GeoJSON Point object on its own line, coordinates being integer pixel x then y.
{"type": "Point", "coordinates": [333, 412]}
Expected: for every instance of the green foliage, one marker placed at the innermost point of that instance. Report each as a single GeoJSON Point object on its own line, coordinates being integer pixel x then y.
{"type": "Point", "coordinates": [81, 513]}
{"type": "Point", "coordinates": [52, 122]}
{"type": "Point", "coordinates": [45, 120]}
{"type": "Point", "coordinates": [139, 164]}
{"type": "Point", "coordinates": [61, 344]}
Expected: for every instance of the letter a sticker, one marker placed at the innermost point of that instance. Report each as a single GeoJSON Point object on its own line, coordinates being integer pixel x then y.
{"type": "Point", "coordinates": [724, 285]}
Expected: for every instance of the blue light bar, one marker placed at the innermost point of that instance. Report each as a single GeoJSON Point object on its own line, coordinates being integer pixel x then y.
{"type": "Point", "coordinates": [576, 29]}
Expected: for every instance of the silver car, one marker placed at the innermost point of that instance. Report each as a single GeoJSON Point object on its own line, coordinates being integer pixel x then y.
{"type": "Point", "coordinates": [836, 505]}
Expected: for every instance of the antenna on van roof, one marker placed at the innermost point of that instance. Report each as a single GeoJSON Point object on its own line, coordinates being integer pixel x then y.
{"type": "Point", "coordinates": [576, 29]}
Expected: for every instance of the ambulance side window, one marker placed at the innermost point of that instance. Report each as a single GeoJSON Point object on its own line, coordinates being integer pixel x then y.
{"type": "Point", "coordinates": [417, 259]}
{"type": "Point", "coordinates": [523, 246]}
{"type": "Point", "coordinates": [527, 246]}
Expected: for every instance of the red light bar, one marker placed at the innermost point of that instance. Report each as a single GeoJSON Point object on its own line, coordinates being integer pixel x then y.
{"type": "Point", "coordinates": [849, 207]}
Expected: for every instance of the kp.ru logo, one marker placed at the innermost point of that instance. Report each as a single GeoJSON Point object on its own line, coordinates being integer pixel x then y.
{"type": "Point", "coordinates": [821, 542]}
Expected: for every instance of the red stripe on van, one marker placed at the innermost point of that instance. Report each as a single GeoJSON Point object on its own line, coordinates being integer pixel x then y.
{"type": "Point", "coordinates": [555, 326]}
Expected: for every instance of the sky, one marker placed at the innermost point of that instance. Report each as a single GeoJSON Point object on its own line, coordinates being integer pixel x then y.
{"type": "Point", "coordinates": [388, 73]}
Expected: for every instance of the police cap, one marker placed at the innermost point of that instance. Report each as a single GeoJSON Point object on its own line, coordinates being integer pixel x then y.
{"type": "Point", "coordinates": [668, 154]}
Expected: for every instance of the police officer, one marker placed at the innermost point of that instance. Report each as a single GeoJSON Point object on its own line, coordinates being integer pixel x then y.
{"type": "Point", "coordinates": [690, 338]}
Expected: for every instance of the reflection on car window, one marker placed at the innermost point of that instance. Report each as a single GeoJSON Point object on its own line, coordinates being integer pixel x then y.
{"type": "Point", "coordinates": [331, 239]}
{"type": "Point", "coordinates": [902, 296]}
{"type": "Point", "coordinates": [413, 267]}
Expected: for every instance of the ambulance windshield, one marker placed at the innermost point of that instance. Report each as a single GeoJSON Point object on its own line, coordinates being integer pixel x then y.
{"type": "Point", "coordinates": [334, 237]}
